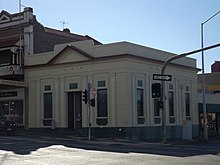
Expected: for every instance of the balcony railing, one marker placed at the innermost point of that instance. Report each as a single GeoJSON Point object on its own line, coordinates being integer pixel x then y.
{"type": "Point", "coordinates": [7, 70]}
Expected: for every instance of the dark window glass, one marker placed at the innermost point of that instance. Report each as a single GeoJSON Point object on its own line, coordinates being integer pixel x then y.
{"type": "Point", "coordinates": [171, 104]}
{"type": "Point", "coordinates": [47, 88]}
{"type": "Point", "coordinates": [187, 101]}
{"type": "Point", "coordinates": [170, 86]}
{"type": "Point", "coordinates": [140, 104]}
{"type": "Point", "coordinates": [47, 105]}
{"type": "Point", "coordinates": [156, 107]}
{"type": "Point", "coordinates": [73, 86]}
{"type": "Point", "coordinates": [12, 109]}
{"type": "Point", "coordinates": [140, 83]}
{"type": "Point", "coordinates": [102, 104]}
{"type": "Point", "coordinates": [187, 88]}
{"type": "Point", "coordinates": [101, 83]}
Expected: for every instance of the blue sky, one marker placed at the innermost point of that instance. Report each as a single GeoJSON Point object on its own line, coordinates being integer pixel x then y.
{"type": "Point", "coordinates": [169, 25]}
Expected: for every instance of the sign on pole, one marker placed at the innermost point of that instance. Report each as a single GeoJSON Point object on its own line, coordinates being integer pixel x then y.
{"type": "Point", "coordinates": [94, 92]}
{"type": "Point", "coordinates": [162, 77]}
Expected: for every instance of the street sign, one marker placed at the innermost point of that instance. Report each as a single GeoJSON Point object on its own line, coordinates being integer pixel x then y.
{"type": "Point", "coordinates": [13, 83]}
{"type": "Point", "coordinates": [94, 92]}
{"type": "Point", "coordinates": [162, 77]}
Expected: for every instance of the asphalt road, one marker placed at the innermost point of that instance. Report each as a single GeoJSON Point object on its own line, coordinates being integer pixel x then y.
{"type": "Point", "coordinates": [19, 150]}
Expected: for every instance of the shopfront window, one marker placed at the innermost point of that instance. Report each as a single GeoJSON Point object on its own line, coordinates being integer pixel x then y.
{"type": "Point", "coordinates": [13, 110]}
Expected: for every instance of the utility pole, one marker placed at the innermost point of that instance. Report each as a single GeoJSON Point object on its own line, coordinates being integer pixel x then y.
{"type": "Point", "coordinates": [89, 109]}
{"type": "Point", "coordinates": [203, 78]}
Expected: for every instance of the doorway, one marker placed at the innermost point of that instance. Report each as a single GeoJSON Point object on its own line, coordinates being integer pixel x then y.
{"type": "Point", "coordinates": [74, 111]}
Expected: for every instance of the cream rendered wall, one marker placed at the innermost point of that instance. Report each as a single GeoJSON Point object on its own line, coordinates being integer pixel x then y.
{"type": "Point", "coordinates": [181, 81]}
{"type": "Point", "coordinates": [121, 76]}
{"type": "Point", "coordinates": [181, 77]}
{"type": "Point", "coordinates": [32, 109]}
{"type": "Point", "coordinates": [124, 99]}
{"type": "Point", "coordinates": [59, 78]}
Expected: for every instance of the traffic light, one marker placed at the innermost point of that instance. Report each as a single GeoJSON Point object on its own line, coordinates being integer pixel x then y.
{"type": "Point", "coordinates": [156, 90]}
{"type": "Point", "coordinates": [85, 96]}
{"type": "Point", "coordinates": [92, 102]}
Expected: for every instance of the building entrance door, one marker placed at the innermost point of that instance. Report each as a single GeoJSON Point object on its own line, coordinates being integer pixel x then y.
{"type": "Point", "coordinates": [74, 111]}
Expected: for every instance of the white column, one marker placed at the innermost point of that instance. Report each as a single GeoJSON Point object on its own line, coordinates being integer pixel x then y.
{"type": "Point", "coordinates": [38, 112]}
{"type": "Point", "coordinates": [56, 111]}
{"type": "Point", "coordinates": [113, 100]}
{"type": "Point", "coordinates": [32, 106]}
{"type": "Point", "coordinates": [63, 111]}
{"type": "Point", "coordinates": [133, 98]}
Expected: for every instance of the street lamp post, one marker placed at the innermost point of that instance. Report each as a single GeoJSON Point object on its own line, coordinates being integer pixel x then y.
{"type": "Point", "coordinates": [203, 78]}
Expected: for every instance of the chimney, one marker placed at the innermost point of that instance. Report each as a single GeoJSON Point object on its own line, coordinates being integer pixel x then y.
{"type": "Point", "coordinates": [216, 66]}
{"type": "Point", "coordinates": [28, 13]}
{"type": "Point", "coordinates": [66, 30]}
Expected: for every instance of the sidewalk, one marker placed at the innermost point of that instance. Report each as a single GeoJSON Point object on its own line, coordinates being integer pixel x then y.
{"type": "Point", "coordinates": [69, 136]}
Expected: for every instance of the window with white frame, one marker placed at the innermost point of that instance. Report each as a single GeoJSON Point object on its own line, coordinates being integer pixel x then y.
{"type": "Point", "coordinates": [156, 107]}
{"type": "Point", "coordinates": [73, 86]}
{"type": "Point", "coordinates": [140, 102]}
{"type": "Point", "coordinates": [171, 104]}
{"type": "Point", "coordinates": [187, 101]}
{"type": "Point", "coordinates": [156, 110]}
{"type": "Point", "coordinates": [47, 105]}
{"type": "Point", "coordinates": [157, 115]}
{"type": "Point", "coordinates": [140, 99]}
{"type": "Point", "coordinates": [102, 103]}
{"type": "Point", "coordinates": [171, 100]}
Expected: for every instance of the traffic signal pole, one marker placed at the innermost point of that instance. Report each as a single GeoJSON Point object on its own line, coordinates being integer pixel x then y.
{"type": "Point", "coordinates": [163, 96]}
{"type": "Point", "coordinates": [89, 108]}
{"type": "Point", "coordinates": [86, 97]}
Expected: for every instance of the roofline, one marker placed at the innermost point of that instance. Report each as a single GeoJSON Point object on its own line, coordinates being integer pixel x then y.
{"type": "Point", "coordinates": [49, 30]}
{"type": "Point", "coordinates": [93, 39]}
{"type": "Point", "coordinates": [73, 48]}
{"type": "Point", "coordinates": [112, 57]}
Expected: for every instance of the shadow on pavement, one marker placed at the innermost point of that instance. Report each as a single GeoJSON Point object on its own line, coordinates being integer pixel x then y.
{"type": "Point", "coordinates": [26, 142]}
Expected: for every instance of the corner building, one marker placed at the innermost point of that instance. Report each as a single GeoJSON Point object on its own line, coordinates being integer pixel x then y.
{"type": "Point", "coordinates": [122, 73]}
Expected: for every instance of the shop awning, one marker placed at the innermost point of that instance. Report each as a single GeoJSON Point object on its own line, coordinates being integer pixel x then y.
{"type": "Point", "coordinates": [21, 84]}
{"type": "Point", "coordinates": [210, 108]}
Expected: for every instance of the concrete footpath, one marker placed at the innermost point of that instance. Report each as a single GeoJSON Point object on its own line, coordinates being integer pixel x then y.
{"type": "Point", "coordinates": [70, 136]}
